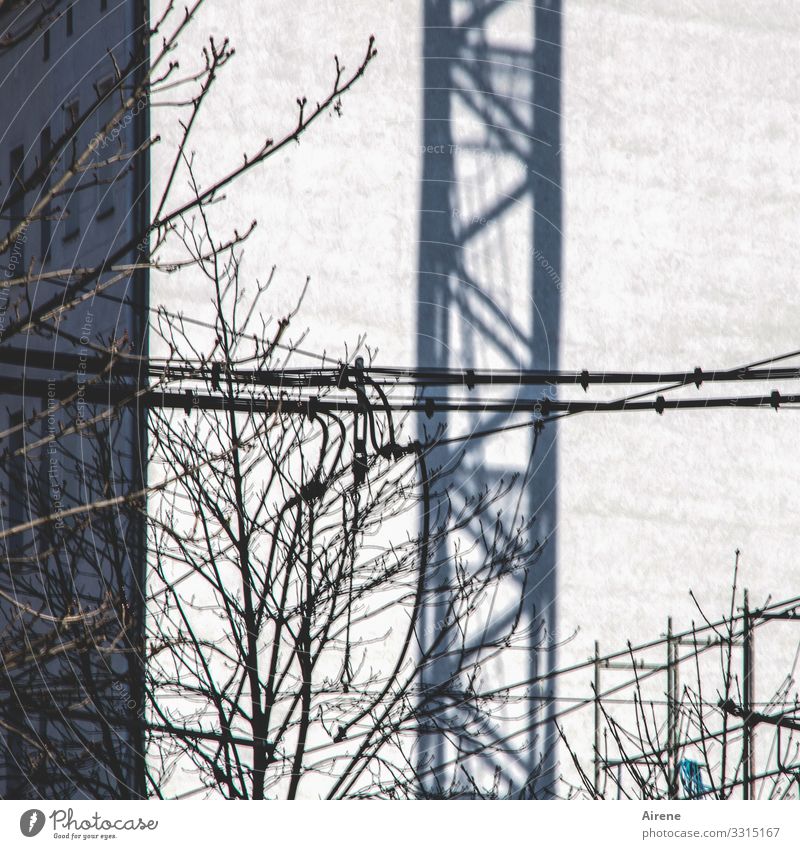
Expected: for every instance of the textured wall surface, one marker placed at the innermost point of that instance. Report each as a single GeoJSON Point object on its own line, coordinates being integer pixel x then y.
{"type": "Point", "coordinates": [680, 165]}
{"type": "Point", "coordinates": [681, 211]}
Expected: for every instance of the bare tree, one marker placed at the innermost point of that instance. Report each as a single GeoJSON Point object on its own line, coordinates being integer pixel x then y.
{"type": "Point", "coordinates": [71, 605]}
{"type": "Point", "coordinates": [80, 159]}
{"type": "Point", "coordinates": [72, 583]}
{"type": "Point", "coordinates": [289, 572]}
{"type": "Point", "coordinates": [277, 647]}
{"type": "Point", "coordinates": [305, 662]}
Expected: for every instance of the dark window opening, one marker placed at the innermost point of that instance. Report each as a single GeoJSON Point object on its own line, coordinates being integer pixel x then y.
{"type": "Point", "coordinates": [72, 110]}
{"type": "Point", "coordinates": [16, 480]}
{"type": "Point", "coordinates": [46, 45]}
{"type": "Point", "coordinates": [15, 261]}
{"type": "Point", "coordinates": [45, 149]}
{"type": "Point", "coordinates": [70, 21]}
{"type": "Point", "coordinates": [70, 219]}
{"type": "Point", "coordinates": [104, 199]}
{"type": "Point", "coordinates": [17, 157]}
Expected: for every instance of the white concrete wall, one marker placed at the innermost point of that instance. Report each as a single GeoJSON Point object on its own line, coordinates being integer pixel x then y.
{"type": "Point", "coordinates": [341, 205]}
{"type": "Point", "coordinates": [679, 186]}
{"type": "Point", "coordinates": [681, 171]}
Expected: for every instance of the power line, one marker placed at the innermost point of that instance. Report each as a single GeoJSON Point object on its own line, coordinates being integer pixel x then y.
{"type": "Point", "coordinates": [339, 377]}
{"type": "Point", "coordinates": [121, 393]}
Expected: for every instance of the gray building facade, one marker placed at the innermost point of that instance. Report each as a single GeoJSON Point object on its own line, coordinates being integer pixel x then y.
{"type": "Point", "coordinates": [72, 292]}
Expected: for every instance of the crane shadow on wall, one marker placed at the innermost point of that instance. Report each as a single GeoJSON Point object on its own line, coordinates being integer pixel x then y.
{"type": "Point", "coordinates": [489, 296]}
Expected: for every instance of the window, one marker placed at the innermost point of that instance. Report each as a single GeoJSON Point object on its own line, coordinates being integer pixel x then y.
{"type": "Point", "coordinates": [17, 786]}
{"type": "Point", "coordinates": [70, 217]}
{"type": "Point", "coordinates": [107, 108]}
{"type": "Point", "coordinates": [73, 112]}
{"type": "Point", "coordinates": [103, 5]}
{"type": "Point", "coordinates": [46, 45]}
{"type": "Point", "coordinates": [45, 148]}
{"type": "Point", "coordinates": [16, 160]}
{"type": "Point", "coordinates": [33, 481]}
{"type": "Point", "coordinates": [70, 21]}
{"type": "Point", "coordinates": [49, 484]}
{"type": "Point", "coordinates": [16, 481]}
{"type": "Point", "coordinates": [16, 259]}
